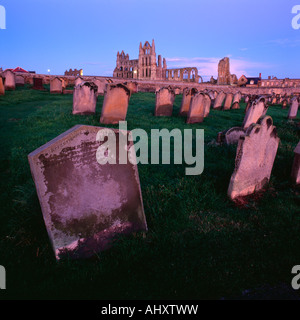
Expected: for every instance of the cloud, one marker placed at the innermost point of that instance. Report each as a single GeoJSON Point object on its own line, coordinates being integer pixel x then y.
{"type": "Point", "coordinates": [208, 67]}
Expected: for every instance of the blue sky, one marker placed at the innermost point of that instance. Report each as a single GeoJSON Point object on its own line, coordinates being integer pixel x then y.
{"type": "Point", "coordinates": [62, 34]}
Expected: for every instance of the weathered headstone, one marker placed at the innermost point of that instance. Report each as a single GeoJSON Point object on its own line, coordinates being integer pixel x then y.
{"type": "Point", "coordinates": [132, 86]}
{"type": "Point", "coordinates": [10, 81]}
{"type": "Point", "coordinates": [56, 85]}
{"type": "Point", "coordinates": [85, 98]}
{"type": "Point", "coordinates": [101, 85]}
{"type": "Point", "coordinates": [207, 105]}
{"type": "Point", "coordinates": [219, 100]}
{"type": "Point", "coordinates": [255, 157]}
{"type": "Point", "coordinates": [86, 204]}
{"type": "Point", "coordinates": [78, 81]}
{"type": "Point", "coordinates": [258, 109]}
{"type": "Point", "coordinates": [296, 165]}
{"type": "Point", "coordinates": [2, 89]}
{"type": "Point", "coordinates": [197, 109]}
{"type": "Point", "coordinates": [164, 101]}
{"type": "Point", "coordinates": [231, 136]}
{"type": "Point", "coordinates": [115, 104]}
{"type": "Point", "coordinates": [187, 95]}
{"type": "Point", "coordinates": [228, 101]}
{"type": "Point", "coordinates": [236, 101]}
{"type": "Point", "coordinates": [293, 108]}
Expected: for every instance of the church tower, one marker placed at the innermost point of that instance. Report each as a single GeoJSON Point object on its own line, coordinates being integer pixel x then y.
{"type": "Point", "coordinates": [147, 61]}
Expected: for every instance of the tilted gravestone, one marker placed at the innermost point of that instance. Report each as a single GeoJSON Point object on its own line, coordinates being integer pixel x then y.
{"type": "Point", "coordinates": [258, 109]}
{"type": "Point", "coordinates": [2, 89]}
{"type": "Point", "coordinates": [187, 95]}
{"type": "Point", "coordinates": [293, 108]}
{"type": "Point", "coordinates": [255, 157]}
{"type": "Point", "coordinates": [115, 104]}
{"type": "Point", "coordinates": [296, 165]}
{"type": "Point", "coordinates": [85, 98]}
{"type": "Point", "coordinates": [228, 101]}
{"type": "Point", "coordinates": [56, 85]}
{"type": "Point", "coordinates": [219, 100]}
{"type": "Point", "coordinates": [86, 204]}
{"type": "Point", "coordinates": [197, 109]}
{"type": "Point", "coordinates": [164, 101]}
{"type": "Point", "coordinates": [10, 81]}
{"type": "Point", "coordinates": [236, 101]}
{"type": "Point", "coordinates": [207, 105]}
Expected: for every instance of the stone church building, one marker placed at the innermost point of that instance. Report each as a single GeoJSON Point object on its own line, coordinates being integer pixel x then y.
{"type": "Point", "coordinates": [147, 67]}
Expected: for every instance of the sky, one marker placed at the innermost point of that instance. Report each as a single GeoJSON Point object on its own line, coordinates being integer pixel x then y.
{"type": "Point", "coordinates": [257, 35]}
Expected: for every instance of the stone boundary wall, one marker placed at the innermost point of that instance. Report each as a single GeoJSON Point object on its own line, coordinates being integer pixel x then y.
{"type": "Point", "coordinates": [153, 85]}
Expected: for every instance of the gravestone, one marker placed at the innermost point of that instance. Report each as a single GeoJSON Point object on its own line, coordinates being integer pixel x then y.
{"type": "Point", "coordinates": [228, 101]}
{"type": "Point", "coordinates": [186, 100]}
{"type": "Point", "coordinates": [207, 104]}
{"type": "Point", "coordinates": [231, 136]}
{"type": "Point", "coordinates": [2, 89]}
{"type": "Point", "coordinates": [197, 109]}
{"type": "Point", "coordinates": [78, 81]}
{"type": "Point", "coordinates": [101, 85]}
{"type": "Point", "coordinates": [86, 204]}
{"type": "Point", "coordinates": [236, 101]}
{"type": "Point", "coordinates": [115, 104]}
{"type": "Point", "coordinates": [132, 86]}
{"type": "Point", "coordinates": [164, 101]}
{"type": "Point", "coordinates": [258, 109]}
{"type": "Point", "coordinates": [20, 81]}
{"type": "Point", "coordinates": [219, 100]}
{"type": "Point", "coordinates": [296, 165]}
{"type": "Point", "coordinates": [255, 157]}
{"type": "Point", "coordinates": [293, 108]}
{"type": "Point", "coordinates": [10, 81]}
{"type": "Point", "coordinates": [38, 84]}
{"type": "Point", "coordinates": [85, 98]}
{"type": "Point", "coordinates": [56, 85]}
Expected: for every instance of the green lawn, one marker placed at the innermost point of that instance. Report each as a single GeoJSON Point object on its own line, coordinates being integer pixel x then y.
{"type": "Point", "coordinates": [199, 244]}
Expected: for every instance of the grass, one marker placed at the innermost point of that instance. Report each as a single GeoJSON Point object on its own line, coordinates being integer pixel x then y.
{"type": "Point", "coordinates": [199, 245]}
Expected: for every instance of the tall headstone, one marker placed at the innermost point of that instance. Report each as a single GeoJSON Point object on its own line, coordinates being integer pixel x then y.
{"type": "Point", "coordinates": [85, 98]}
{"type": "Point", "coordinates": [236, 101]}
{"type": "Point", "coordinates": [207, 105]}
{"type": "Point", "coordinates": [115, 104]}
{"type": "Point", "coordinates": [85, 202]}
{"type": "Point", "coordinates": [293, 108]}
{"type": "Point", "coordinates": [228, 101]}
{"type": "Point", "coordinates": [296, 165]}
{"type": "Point", "coordinates": [164, 101]}
{"type": "Point", "coordinates": [219, 100]}
{"type": "Point", "coordinates": [258, 109]}
{"type": "Point", "coordinates": [187, 95]}
{"type": "Point", "coordinates": [197, 109]}
{"type": "Point", "coordinates": [255, 157]}
{"type": "Point", "coordinates": [10, 81]}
